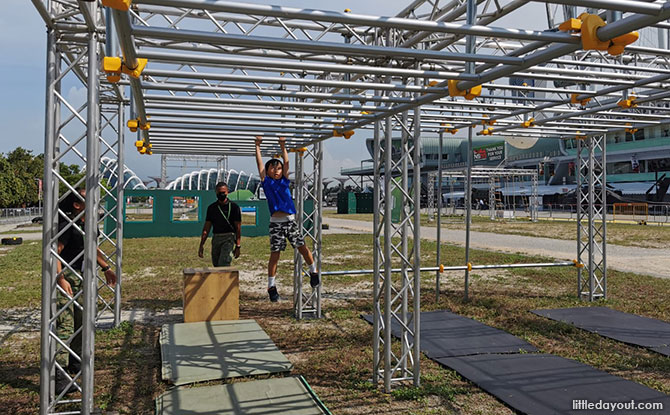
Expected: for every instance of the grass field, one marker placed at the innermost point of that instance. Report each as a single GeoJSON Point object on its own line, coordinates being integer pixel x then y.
{"type": "Point", "coordinates": [617, 233]}
{"type": "Point", "coordinates": [334, 354]}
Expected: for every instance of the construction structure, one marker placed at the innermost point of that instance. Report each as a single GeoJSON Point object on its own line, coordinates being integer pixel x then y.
{"type": "Point", "coordinates": [203, 77]}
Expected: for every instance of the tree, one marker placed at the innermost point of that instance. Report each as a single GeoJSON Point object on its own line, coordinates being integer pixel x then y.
{"type": "Point", "coordinates": [12, 189]}
{"type": "Point", "coordinates": [27, 168]}
{"type": "Point", "coordinates": [72, 174]}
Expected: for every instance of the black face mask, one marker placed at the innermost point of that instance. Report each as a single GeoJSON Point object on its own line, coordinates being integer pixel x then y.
{"type": "Point", "coordinates": [222, 196]}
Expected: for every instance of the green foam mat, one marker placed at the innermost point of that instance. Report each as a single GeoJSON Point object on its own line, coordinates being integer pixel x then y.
{"type": "Point", "coordinates": [198, 352]}
{"type": "Point", "coordinates": [290, 396]}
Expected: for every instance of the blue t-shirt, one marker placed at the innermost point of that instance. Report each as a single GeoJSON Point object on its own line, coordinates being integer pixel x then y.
{"type": "Point", "coordinates": [278, 195]}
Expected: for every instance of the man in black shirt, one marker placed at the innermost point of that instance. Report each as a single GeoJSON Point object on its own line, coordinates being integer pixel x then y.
{"type": "Point", "coordinates": [71, 251]}
{"type": "Point", "coordinates": [226, 218]}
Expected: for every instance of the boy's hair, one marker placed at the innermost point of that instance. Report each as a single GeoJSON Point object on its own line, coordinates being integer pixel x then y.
{"type": "Point", "coordinates": [273, 162]}
{"type": "Point", "coordinates": [220, 184]}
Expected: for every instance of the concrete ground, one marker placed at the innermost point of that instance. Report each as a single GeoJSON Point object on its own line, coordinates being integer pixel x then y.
{"type": "Point", "coordinates": [647, 261]}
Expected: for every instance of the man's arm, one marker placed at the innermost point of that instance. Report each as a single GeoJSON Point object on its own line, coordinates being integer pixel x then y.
{"type": "Point", "coordinates": [110, 275]}
{"type": "Point", "coordinates": [259, 159]}
{"type": "Point", "coordinates": [238, 238]}
{"type": "Point", "coordinates": [203, 238]}
{"type": "Point", "coordinates": [284, 155]}
{"type": "Point", "coordinates": [60, 279]}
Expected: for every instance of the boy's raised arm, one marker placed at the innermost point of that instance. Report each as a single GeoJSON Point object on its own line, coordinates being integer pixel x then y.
{"type": "Point", "coordinates": [284, 155]}
{"type": "Point", "coordinates": [259, 159]}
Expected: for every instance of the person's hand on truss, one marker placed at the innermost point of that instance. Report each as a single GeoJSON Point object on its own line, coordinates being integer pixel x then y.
{"type": "Point", "coordinates": [259, 140]}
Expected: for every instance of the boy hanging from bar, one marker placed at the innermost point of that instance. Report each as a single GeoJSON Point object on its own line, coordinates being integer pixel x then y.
{"type": "Point", "coordinates": [275, 182]}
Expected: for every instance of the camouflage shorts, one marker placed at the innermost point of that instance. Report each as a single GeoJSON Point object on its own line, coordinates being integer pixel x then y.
{"type": "Point", "coordinates": [281, 231]}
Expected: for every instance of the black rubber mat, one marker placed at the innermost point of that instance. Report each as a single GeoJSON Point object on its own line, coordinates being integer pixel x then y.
{"type": "Point", "coordinates": [542, 384]}
{"type": "Point", "coordinates": [445, 334]}
{"type": "Point", "coordinates": [627, 328]}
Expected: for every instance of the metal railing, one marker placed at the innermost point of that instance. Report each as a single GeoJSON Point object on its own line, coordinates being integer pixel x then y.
{"type": "Point", "coordinates": [12, 215]}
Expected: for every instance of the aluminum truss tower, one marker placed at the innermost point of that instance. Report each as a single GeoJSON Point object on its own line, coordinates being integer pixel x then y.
{"type": "Point", "coordinates": [591, 217]}
{"type": "Point", "coordinates": [397, 295]}
{"type": "Point", "coordinates": [308, 189]}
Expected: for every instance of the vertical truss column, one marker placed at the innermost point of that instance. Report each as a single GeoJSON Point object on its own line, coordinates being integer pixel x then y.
{"type": "Point", "coordinates": [111, 206]}
{"type": "Point", "coordinates": [591, 218]}
{"type": "Point", "coordinates": [431, 197]}
{"type": "Point", "coordinates": [492, 198]}
{"type": "Point", "coordinates": [50, 228]}
{"type": "Point", "coordinates": [120, 204]}
{"type": "Point", "coordinates": [392, 298]}
{"type": "Point", "coordinates": [75, 127]}
{"type": "Point", "coordinates": [308, 186]}
{"type": "Point", "coordinates": [378, 255]}
{"type": "Point", "coordinates": [90, 228]}
{"type": "Point", "coordinates": [534, 199]}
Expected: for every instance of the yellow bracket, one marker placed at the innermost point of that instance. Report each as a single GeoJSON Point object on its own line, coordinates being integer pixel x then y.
{"type": "Point", "coordinates": [579, 136]}
{"type": "Point", "coordinates": [486, 131]}
{"type": "Point", "coordinates": [488, 122]}
{"type": "Point", "coordinates": [137, 71]}
{"type": "Point", "coordinates": [582, 102]}
{"type": "Point", "coordinates": [112, 67]}
{"type": "Point", "coordinates": [365, 112]}
{"type": "Point", "coordinates": [618, 44]}
{"type": "Point", "coordinates": [570, 25]}
{"type": "Point", "coordinates": [133, 125]}
{"type": "Point", "coordinates": [630, 129]}
{"type": "Point", "coordinates": [123, 5]}
{"type": "Point", "coordinates": [627, 103]}
{"type": "Point", "coordinates": [469, 266]}
{"type": "Point", "coordinates": [441, 268]}
{"type": "Point", "coordinates": [139, 143]}
{"type": "Point", "coordinates": [449, 128]}
{"type": "Point", "coordinates": [577, 263]}
{"type": "Point", "coordinates": [529, 123]}
{"type": "Point", "coordinates": [469, 94]}
{"type": "Point", "coordinates": [339, 133]}
{"type": "Point", "coordinates": [298, 150]}
{"type": "Point", "coordinates": [588, 24]}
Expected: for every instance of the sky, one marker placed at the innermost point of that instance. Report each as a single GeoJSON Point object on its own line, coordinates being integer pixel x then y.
{"type": "Point", "coordinates": [22, 89]}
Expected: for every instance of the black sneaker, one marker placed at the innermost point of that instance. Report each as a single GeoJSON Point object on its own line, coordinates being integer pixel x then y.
{"type": "Point", "coordinates": [274, 295]}
{"type": "Point", "coordinates": [61, 384]}
{"type": "Point", "coordinates": [314, 280]}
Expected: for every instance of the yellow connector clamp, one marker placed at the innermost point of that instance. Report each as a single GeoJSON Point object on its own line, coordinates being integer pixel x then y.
{"type": "Point", "coordinates": [486, 131]}
{"type": "Point", "coordinates": [112, 66]}
{"type": "Point", "coordinates": [529, 123]}
{"type": "Point", "coordinates": [588, 24]}
{"type": "Point", "coordinates": [577, 263]}
{"type": "Point", "coordinates": [133, 125]}
{"type": "Point", "coordinates": [123, 5]}
{"type": "Point", "coordinates": [298, 150]}
{"type": "Point", "coordinates": [469, 94]}
{"type": "Point", "coordinates": [582, 102]}
{"type": "Point", "coordinates": [469, 266]}
{"type": "Point", "coordinates": [630, 129]}
{"type": "Point", "coordinates": [627, 103]}
{"type": "Point", "coordinates": [441, 268]}
{"type": "Point", "coordinates": [137, 71]}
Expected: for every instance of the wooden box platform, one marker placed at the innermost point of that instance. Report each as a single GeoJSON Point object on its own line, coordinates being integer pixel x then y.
{"type": "Point", "coordinates": [211, 294]}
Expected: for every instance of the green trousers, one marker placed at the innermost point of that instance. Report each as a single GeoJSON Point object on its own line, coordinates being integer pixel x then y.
{"type": "Point", "coordinates": [223, 245]}
{"type": "Point", "coordinates": [69, 321]}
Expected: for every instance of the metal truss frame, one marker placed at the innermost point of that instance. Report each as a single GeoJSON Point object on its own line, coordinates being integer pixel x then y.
{"type": "Point", "coordinates": [308, 188]}
{"type": "Point", "coordinates": [591, 218]}
{"type": "Point", "coordinates": [222, 72]}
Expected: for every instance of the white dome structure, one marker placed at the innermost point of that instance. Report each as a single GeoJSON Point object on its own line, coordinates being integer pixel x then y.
{"type": "Point", "coordinates": [207, 179]}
